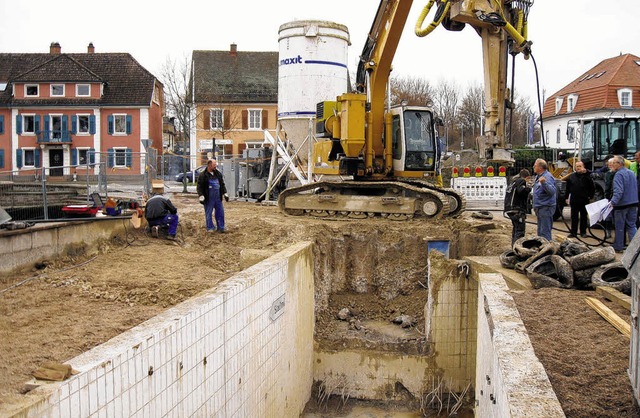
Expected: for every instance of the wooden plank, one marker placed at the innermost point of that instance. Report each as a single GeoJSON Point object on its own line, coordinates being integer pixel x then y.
{"type": "Point", "coordinates": [615, 296]}
{"type": "Point", "coordinates": [610, 316]}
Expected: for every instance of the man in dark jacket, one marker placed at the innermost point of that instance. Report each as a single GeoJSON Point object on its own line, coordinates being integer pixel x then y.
{"type": "Point", "coordinates": [160, 211]}
{"type": "Point", "coordinates": [516, 206]}
{"type": "Point", "coordinates": [624, 202]}
{"type": "Point", "coordinates": [580, 189]}
{"type": "Point", "coordinates": [211, 190]}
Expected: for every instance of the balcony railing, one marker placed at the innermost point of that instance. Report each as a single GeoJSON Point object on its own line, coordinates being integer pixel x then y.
{"type": "Point", "coordinates": [54, 137]}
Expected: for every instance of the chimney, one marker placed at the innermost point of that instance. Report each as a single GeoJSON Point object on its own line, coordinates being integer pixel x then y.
{"type": "Point", "coordinates": [233, 51]}
{"type": "Point", "coordinates": [55, 48]}
{"type": "Point", "coordinates": [90, 48]}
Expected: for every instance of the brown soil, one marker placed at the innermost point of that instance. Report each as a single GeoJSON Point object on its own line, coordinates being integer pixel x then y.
{"type": "Point", "coordinates": [376, 268]}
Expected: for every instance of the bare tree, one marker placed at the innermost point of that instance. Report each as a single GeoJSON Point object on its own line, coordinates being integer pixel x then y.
{"type": "Point", "coordinates": [445, 102]}
{"type": "Point", "coordinates": [470, 112]}
{"type": "Point", "coordinates": [414, 90]}
{"type": "Point", "coordinates": [518, 122]}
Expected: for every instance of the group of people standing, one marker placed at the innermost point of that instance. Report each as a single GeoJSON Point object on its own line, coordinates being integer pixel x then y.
{"type": "Point", "coordinates": [211, 190]}
{"type": "Point", "coordinates": [622, 191]}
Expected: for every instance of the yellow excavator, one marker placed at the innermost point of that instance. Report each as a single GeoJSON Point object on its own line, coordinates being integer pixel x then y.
{"type": "Point", "coordinates": [391, 151]}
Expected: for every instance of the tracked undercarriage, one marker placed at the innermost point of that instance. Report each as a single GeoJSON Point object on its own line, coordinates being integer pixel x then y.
{"type": "Point", "coordinates": [397, 200]}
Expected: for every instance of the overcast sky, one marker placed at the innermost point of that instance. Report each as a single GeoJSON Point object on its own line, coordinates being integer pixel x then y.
{"type": "Point", "coordinates": [569, 36]}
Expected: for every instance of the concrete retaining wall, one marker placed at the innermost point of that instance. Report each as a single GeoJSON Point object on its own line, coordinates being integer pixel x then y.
{"type": "Point", "coordinates": [510, 380]}
{"type": "Point", "coordinates": [244, 349]}
{"type": "Point", "coordinates": [25, 247]}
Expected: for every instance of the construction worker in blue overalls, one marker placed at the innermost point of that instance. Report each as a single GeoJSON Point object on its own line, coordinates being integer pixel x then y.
{"type": "Point", "coordinates": [211, 190]}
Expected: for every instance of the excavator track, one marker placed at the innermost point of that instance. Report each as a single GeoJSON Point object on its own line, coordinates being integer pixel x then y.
{"type": "Point", "coordinates": [457, 202]}
{"type": "Point", "coordinates": [396, 200]}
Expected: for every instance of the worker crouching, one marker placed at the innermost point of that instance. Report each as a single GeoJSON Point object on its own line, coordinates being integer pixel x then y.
{"type": "Point", "coordinates": [160, 212]}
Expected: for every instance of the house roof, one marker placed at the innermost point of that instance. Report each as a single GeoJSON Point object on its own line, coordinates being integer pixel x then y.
{"type": "Point", "coordinates": [235, 77]}
{"type": "Point", "coordinates": [597, 88]}
{"type": "Point", "coordinates": [126, 82]}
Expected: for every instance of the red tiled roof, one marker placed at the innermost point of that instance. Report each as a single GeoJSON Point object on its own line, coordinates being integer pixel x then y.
{"type": "Point", "coordinates": [597, 88]}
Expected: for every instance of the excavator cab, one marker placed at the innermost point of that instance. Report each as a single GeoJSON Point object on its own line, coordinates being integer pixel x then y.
{"type": "Point", "coordinates": [413, 141]}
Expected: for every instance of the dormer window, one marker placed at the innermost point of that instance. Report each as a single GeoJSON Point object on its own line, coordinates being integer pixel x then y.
{"type": "Point", "coordinates": [57, 90]}
{"type": "Point", "coordinates": [83, 90]}
{"type": "Point", "coordinates": [572, 99]}
{"type": "Point", "coordinates": [625, 97]}
{"type": "Point", "coordinates": [31, 90]}
{"type": "Point", "coordinates": [558, 104]}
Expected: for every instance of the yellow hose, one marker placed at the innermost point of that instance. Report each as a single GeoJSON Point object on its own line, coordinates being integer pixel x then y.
{"type": "Point", "coordinates": [425, 11]}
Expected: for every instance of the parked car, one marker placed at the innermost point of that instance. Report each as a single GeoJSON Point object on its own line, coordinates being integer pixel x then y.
{"type": "Point", "coordinates": [189, 174]}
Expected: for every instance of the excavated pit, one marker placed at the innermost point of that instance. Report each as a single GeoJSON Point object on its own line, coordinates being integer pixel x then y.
{"type": "Point", "coordinates": [393, 321]}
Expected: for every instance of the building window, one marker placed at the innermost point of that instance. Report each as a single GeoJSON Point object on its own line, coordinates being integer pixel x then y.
{"type": "Point", "coordinates": [156, 93]}
{"type": "Point", "coordinates": [119, 157]}
{"type": "Point", "coordinates": [120, 124]}
{"type": "Point", "coordinates": [255, 118]}
{"type": "Point", "coordinates": [82, 156]}
{"type": "Point", "coordinates": [83, 90]}
{"type": "Point", "coordinates": [83, 124]}
{"type": "Point", "coordinates": [57, 90]}
{"type": "Point", "coordinates": [572, 99]}
{"type": "Point", "coordinates": [28, 124]}
{"type": "Point", "coordinates": [56, 126]}
{"type": "Point", "coordinates": [29, 157]}
{"type": "Point", "coordinates": [559, 101]}
{"type": "Point", "coordinates": [558, 136]}
{"type": "Point", "coordinates": [625, 98]}
{"type": "Point", "coordinates": [31, 90]}
{"type": "Point", "coordinates": [253, 145]}
{"type": "Point", "coordinates": [217, 119]}
{"type": "Point", "coordinates": [571, 134]}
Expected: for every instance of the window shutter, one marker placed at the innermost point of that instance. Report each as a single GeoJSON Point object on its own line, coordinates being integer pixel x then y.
{"type": "Point", "coordinates": [46, 127]}
{"type": "Point", "coordinates": [65, 127]}
{"type": "Point", "coordinates": [1, 158]}
{"type": "Point", "coordinates": [110, 157]}
{"type": "Point", "coordinates": [206, 119]}
{"type": "Point", "coordinates": [245, 119]}
{"type": "Point", "coordinates": [92, 156]}
{"type": "Point", "coordinates": [265, 119]}
{"type": "Point", "coordinates": [18, 124]}
{"type": "Point", "coordinates": [129, 156]}
{"type": "Point", "coordinates": [227, 119]}
{"type": "Point", "coordinates": [74, 124]}
{"type": "Point", "coordinates": [1, 124]}
{"type": "Point", "coordinates": [128, 124]}
{"type": "Point", "coordinates": [19, 158]}
{"type": "Point", "coordinates": [37, 127]}
{"type": "Point", "coordinates": [110, 123]}
{"type": "Point", "coordinates": [36, 157]}
{"type": "Point", "coordinates": [74, 156]}
{"type": "Point", "coordinates": [92, 124]}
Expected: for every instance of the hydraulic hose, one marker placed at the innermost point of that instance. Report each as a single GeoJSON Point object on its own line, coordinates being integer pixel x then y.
{"type": "Point", "coordinates": [442, 11]}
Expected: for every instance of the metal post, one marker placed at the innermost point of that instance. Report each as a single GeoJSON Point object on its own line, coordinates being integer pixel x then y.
{"type": "Point", "coordinates": [45, 205]}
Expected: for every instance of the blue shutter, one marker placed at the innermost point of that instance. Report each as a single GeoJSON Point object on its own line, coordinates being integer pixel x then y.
{"type": "Point", "coordinates": [74, 124]}
{"type": "Point", "coordinates": [92, 156]}
{"type": "Point", "coordinates": [2, 157]}
{"type": "Point", "coordinates": [37, 123]}
{"type": "Point", "coordinates": [1, 124]}
{"type": "Point", "coordinates": [18, 124]}
{"type": "Point", "coordinates": [65, 128]}
{"type": "Point", "coordinates": [19, 158]}
{"type": "Point", "coordinates": [129, 156]}
{"type": "Point", "coordinates": [46, 127]}
{"type": "Point", "coordinates": [36, 157]}
{"type": "Point", "coordinates": [111, 156]}
{"type": "Point", "coordinates": [92, 124]}
{"type": "Point", "coordinates": [128, 124]}
{"type": "Point", "coordinates": [110, 123]}
{"type": "Point", "coordinates": [74, 156]}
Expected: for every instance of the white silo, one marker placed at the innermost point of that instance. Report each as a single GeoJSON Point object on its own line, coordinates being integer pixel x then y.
{"type": "Point", "coordinates": [312, 68]}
